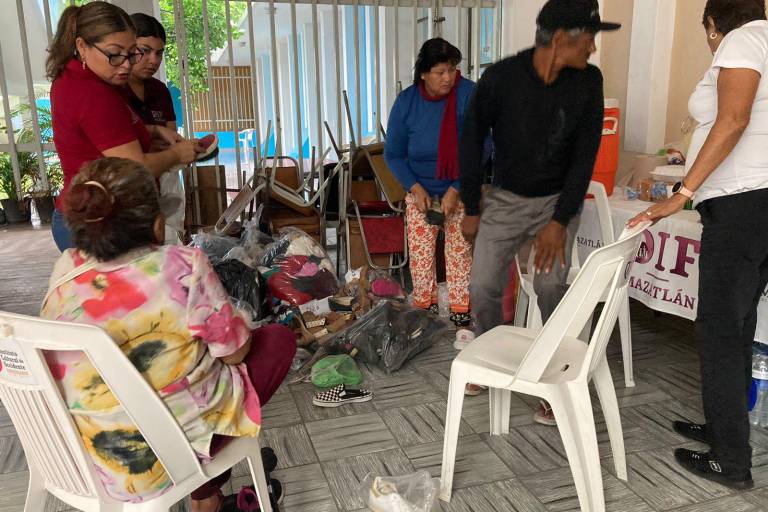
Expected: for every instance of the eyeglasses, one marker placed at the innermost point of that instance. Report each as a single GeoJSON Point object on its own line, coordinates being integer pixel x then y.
{"type": "Point", "coordinates": [117, 59]}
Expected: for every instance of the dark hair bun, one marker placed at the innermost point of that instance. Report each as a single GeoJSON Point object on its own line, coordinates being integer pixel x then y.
{"type": "Point", "coordinates": [86, 202]}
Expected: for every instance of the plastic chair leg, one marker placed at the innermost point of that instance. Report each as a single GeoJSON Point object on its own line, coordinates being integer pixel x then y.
{"type": "Point", "coordinates": [499, 401]}
{"type": "Point", "coordinates": [452, 422]}
{"type": "Point", "coordinates": [259, 479]}
{"type": "Point", "coordinates": [521, 307]}
{"type": "Point", "coordinates": [36, 493]}
{"type": "Point", "coordinates": [610, 405]}
{"type": "Point", "coordinates": [573, 412]}
{"type": "Point", "coordinates": [625, 328]}
{"type": "Point", "coordinates": [534, 315]}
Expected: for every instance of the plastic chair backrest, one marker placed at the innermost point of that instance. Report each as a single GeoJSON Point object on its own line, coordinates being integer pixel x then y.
{"type": "Point", "coordinates": [604, 217]}
{"type": "Point", "coordinates": [45, 427]}
{"type": "Point", "coordinates": [606, 267]}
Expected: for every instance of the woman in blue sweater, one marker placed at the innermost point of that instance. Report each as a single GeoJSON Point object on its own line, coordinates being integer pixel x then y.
{"type": "Point", "coordinates": [423, 152]}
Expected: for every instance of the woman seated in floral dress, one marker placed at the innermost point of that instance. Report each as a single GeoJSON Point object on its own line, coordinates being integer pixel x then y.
{"type": "Point", "coordinates": [167, 310]}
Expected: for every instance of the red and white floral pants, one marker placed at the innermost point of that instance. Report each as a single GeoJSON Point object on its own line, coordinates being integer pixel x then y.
{"type": "Point", "coordinates": [422, 240]}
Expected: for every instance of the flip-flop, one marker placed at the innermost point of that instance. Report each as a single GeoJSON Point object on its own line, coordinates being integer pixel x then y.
{"type": "Point", "coordinates": [211, 144]}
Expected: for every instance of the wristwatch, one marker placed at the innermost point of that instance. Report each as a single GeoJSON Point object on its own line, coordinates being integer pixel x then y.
{"type": "Point", "coordinates": [679, 188]}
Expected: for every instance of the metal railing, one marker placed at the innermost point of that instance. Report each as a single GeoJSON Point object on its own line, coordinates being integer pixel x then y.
{"type": "Point", "coordinates": [387, 19]}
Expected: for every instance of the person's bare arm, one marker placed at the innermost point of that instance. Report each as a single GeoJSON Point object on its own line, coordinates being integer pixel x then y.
{"type": "Point", "coordinates": [736, 91]}
{"type": "Point", "coordinates": [180, 153]}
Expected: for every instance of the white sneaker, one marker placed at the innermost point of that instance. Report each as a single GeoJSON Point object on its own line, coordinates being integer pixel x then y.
{"type": "Point", "coordinates": [463, 337]}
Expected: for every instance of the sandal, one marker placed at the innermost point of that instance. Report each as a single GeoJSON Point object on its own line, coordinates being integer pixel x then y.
{"type": "Point", "coordinates": [474, 390]}
{"type": "Point", "coordinates": [545, 415]}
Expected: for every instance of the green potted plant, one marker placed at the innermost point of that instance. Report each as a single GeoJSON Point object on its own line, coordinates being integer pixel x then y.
{"type": "Point", "coordinates": [15, 210]}
{"type": "Point", "coordinates": [42, 194]}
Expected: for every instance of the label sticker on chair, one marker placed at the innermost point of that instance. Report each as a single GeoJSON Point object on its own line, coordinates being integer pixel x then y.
{"type": "Point", "coordinates": [13, 367]}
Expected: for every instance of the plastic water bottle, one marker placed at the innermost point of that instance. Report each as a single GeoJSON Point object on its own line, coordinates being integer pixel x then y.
{"type": "Point", "coordinates": [758, 399]}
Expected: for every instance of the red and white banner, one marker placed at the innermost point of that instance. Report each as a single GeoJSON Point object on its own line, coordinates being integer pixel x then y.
{"type": "Point", "coordinates": [665, 275]}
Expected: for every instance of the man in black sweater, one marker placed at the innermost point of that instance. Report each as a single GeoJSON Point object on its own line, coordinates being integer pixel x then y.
{"type": "Point", "coordinates": [544, 109]}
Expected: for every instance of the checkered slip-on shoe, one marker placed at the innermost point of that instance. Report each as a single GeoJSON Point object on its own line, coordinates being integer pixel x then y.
{"type": "Point", "coordinates": [340, 395]}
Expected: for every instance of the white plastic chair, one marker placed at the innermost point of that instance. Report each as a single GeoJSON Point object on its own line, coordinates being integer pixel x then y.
{"type": "Point", "coordinates": [528, 299]}
{"type": "Point", "coordinates": [57, 460]}
{"type": "Point", "coordinates": [554, 364]}
{"type": "Point", "coordinates": [246, 140]}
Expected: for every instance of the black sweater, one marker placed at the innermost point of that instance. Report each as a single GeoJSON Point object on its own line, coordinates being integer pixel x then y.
{"type": "Point", "coordinates": [545, 136]}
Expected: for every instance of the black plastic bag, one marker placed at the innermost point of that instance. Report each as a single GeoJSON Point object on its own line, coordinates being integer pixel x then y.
{"type": "Point", "coordinates": [390, 334]}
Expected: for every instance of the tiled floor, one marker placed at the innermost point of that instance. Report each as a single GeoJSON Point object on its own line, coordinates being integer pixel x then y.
{"type": "Point", "coordinates": [325, 453]}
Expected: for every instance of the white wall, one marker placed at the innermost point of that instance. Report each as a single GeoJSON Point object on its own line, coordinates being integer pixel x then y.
{"type": "Point", "coordinates": [653, 29]}
{"type": "Point", "coordinates": [519, 26]}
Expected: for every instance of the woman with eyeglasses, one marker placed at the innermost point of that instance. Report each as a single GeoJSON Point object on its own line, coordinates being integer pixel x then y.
{"type": "Point", "coordinates": [89, 59]}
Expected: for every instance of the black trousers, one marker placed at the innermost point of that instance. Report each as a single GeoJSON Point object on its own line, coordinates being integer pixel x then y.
{"type": "Point", "coordinates": [733, 272]}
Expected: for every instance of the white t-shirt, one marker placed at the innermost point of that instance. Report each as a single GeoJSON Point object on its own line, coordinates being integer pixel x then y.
{"type": "Point", "coordinates": [746, 167]}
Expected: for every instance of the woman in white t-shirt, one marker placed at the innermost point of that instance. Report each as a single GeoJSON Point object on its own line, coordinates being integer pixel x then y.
{"type": "Point", "coordinates": [727, 177]}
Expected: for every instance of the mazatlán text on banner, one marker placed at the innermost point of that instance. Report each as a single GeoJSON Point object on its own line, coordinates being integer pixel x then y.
{"type": "Point", "coordinates": [665, 275]}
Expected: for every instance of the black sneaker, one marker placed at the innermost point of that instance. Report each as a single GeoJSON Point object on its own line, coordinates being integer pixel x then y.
{"type": "Point", "coordinates": [692, 431]}
{"type": "Point", "coordinates": [434, 309]}
{"type": "Point", "coordinates": [700, 464]}
{"type": "Point", "coordinates": [460, 319]}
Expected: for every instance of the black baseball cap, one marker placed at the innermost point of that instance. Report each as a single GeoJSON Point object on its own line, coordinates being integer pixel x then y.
{"type": "Point", "coordinates": [570, 14]}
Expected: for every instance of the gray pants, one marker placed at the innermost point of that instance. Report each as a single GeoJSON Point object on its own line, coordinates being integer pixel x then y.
{"type": "Point", "coordinates": [507, 222]}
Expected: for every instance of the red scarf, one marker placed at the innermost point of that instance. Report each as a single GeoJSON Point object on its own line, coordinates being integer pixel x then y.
{"type": "Point", "coordinates": [448, 143]}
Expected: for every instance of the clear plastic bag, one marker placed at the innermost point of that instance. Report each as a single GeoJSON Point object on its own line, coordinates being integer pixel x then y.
{"type": "Point", "coordinates": [300, 268]}
{"type": "Point", "coordinates": [390, 334]}
{"type": "Point", "coordinates": [242, 284]}
{"type": "Point", "coordinates": [443, 301]}
{"type": "Point", "coordinates": [214, 246]}
{"type": "Point", "coordinates": [415, 492]}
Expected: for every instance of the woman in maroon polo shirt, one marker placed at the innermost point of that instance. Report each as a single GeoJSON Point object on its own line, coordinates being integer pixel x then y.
{"type": "Point", "coordinates": [89, 60]}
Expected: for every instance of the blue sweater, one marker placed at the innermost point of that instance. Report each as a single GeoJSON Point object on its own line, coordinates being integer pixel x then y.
{"type": "Point", "coordinates": [413, 131]}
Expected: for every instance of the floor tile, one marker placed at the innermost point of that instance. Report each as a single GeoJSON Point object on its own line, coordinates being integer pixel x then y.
{"type": "Point", "coordinates": [11, 455]}
{"type": "Point", "coordinates": [504, 496]}
{"type": "Point", "coordinates": [729, 504]}
{"type": "Point", "coordinates": [419, 424]}
{"type": "Point", "coordinates": [291, 445]}
{"type": "Point", "coordinates": [304, 488]}
{"type": "Point", "coordinates": [475, 464]}
{"type": "Point", "coordinates": [280, 411]}
{"type": "Point", "coordinates": [529, 449]}
{"type": "Point", "coordinates": [660, 481]}
{"type": "Point", "coordinates": [350, 436]}
{"type": "Point", "coordinates": [557, 491]}
{"type": "Point", "coordinates": [345, 475]}
{"type": "Point", "coordinates": [401, 391]}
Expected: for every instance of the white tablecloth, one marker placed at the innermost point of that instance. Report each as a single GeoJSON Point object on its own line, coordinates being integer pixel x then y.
{"type": "Point", "coordinates": [665, 276]}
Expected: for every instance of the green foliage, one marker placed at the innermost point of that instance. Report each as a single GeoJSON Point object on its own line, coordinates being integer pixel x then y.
{"type": "Point", "coordinates": [193, 23]}
{"type": "Point", "coordinates": [28, 160]}
{"type": "Point", "coordinates": [7, 183]}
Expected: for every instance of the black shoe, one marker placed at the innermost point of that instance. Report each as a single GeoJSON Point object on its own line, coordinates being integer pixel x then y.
{"type": "Point", "coordinates": [434, 309]}
{"type": "Point", "coordinates": [692, 431]}
{"type": "Point", "coordinates": [700, 464]}
{"type": "Point", "coordinates": [269, 459]}
{"type": "Point", "coordinates": [461, 320]}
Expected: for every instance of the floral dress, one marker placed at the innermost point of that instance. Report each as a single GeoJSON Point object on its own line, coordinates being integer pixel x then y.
{"type": "Point", "coordinates": [169, 313]}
